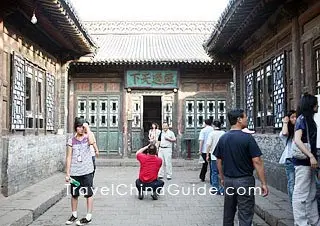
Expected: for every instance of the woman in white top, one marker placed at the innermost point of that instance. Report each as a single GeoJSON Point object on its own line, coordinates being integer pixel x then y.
{"type": "Point", "coordinates": [154, 133]}
{"type": "Point", "coordinates": [286, 136]}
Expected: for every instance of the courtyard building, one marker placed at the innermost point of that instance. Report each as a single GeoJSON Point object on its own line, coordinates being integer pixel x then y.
{"type": "Point", "coordinates": [38, 39]}
{"type": "Point", "coordinates": [274, 50]}
{"type": "Point", "coordinates": [144, 72]}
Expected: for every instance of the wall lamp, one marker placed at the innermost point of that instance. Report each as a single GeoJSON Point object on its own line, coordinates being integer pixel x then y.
{"type": "Point", "coordinates": [34, 19]}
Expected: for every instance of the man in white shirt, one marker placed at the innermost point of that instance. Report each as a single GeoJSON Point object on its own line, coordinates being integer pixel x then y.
{"type": "Point", "coordinates": [203, 137]}
{"type": "Point", "coordinates": [165, 140]}
{"type": "Point", "coordinates": [212, 141]}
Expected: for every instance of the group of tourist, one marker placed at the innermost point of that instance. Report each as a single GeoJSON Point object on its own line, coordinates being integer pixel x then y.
{"type": "Point", "coordinates": [299, 133]}
{"type": "Point", "coordinates": [232, 156]}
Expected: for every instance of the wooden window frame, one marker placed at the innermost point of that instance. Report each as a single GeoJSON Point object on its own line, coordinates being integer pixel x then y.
{"type": "Point", "coordinates": [35, 116]}
{"type": "Point", "coordinates": [265, 71]}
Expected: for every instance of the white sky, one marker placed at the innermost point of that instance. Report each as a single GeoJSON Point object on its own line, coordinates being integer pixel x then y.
{"type": "Point", "coordinates": [199, 10]}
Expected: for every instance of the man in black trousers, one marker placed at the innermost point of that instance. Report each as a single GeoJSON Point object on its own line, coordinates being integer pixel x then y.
{"type": "Point", "coordinates": [237, 156]}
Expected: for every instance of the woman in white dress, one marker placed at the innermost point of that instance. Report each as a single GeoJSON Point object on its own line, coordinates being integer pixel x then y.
{"type": "Point", "coordinates": [154, 133]}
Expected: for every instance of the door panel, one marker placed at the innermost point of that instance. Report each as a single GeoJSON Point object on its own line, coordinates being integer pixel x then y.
{"type": "Point", "coordinates": [196, 111]}
{"type": "Point", "coordinates": [167, 103]}
{"type": "Point", "coordinates": [103, 114]}
{"type": "Point", "coordinates": [137, 126]}
{"type": "Point", "coordinates": [102, 141]}
{"type": "Point", "coordinates": [113, 140]}
{"type": "Point", "coordinates": [136, 141]}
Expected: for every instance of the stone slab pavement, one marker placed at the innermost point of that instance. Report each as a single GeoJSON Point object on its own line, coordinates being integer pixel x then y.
{"type": "Point", "coordinates": [119, 206]}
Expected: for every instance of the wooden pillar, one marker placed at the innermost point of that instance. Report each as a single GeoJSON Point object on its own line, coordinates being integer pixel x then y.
{"type": "Point", "coordinates": [64, 96]}
{"type": "Point", "coordinates": [296, 61]}
{"type": "Point", "coordinates": [310, 79]}
{"type": "Point", "coordinates": [128, 146]}
{"type": "Point", "coordinates": [235, 87]}
{"type": "Point", "coordinates": [125, 125]}
{"type": "Point", "coordinates": [2, 78]}
{"type": "Point", "coordinates": [71, 107]}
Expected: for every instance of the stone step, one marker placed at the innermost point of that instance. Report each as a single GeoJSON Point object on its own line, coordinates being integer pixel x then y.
{"type": "Point", "coordinates": [275, 209]}
{"type": "Point", "coordinates": [25, 206]}
{"type": "Point", "coordinates": [258, 221]}
{"type": "Point", "coordinates": [106, 162]}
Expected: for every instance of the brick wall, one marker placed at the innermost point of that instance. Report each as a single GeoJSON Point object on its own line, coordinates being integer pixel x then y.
{"type": "Point", "coordinates": [272, 148]}
{"type": "Point", "coordinates": [30, 159]}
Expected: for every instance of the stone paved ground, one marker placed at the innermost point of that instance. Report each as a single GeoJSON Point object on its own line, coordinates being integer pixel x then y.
{"type": "Point", "coordinates": [177, 210]}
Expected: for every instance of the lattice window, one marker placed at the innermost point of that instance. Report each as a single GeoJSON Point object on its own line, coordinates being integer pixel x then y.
{"type": "Point", "coordinates": [32, 96]}
{"type": "Point", "coordinates": [190, 114]}
{"type": "Point", "coordinates": [278, 71]}
{"type": "Point", "coordinates": [167, 112]}
{"type": "Point", "coordinates": [136, 113]}
{"type": "Point", "coordinates": [269, 95]}
{"type": "Point", "coordinates": [39, 97]}
{"type": "Point", "coordinates": [82, 107]}
{"type": "Point", "coordinates": [249, 100]}
{"type": "Point", "coordinates": [114, 113]}
{"type": "Point", "coordinates": [30, 86]}
{"type": "Point", "coordinates": [260, 97]}
{"type": "Point", "coordinates": [50, 88]}
{"type": "Point", "coordinates": [197, 111]}
{"type": "Point", "coordinates": [211, 109]}
{"type": "Point", "coordinates": [18, 94]}
{"type": "Point", "coordinates": [103, 108]}
{"type": "Point", "coordinates": [317, 68]}
{"type": "Point", "coordinates": [93, 112]}
{"type": "Point", "coordinates": [222, 113]}
{"type": "Point", "coordinates": [200, 113]}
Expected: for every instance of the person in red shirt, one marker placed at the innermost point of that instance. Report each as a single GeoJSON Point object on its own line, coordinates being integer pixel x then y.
{"type": "Point", "coordinates": [150, 165]}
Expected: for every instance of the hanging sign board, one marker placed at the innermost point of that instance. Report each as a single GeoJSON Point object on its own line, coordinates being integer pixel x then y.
{"type": "Point", "coordinates": [164, 79]}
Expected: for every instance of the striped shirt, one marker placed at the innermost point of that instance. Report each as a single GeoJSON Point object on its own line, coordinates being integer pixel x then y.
{"type": "Point", "coordinates": [81, 160]}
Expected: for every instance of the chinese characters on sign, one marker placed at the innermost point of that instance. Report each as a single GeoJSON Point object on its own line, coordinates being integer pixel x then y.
{"type": "Point", "coordinates": [152, 79]}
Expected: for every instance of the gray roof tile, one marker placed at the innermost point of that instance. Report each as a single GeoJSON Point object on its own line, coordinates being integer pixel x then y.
{"type": "Point", "coordinates": [134, 41]}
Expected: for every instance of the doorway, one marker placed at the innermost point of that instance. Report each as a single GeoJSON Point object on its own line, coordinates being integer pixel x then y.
{"type": "Point", "coordinates": [151, 113]}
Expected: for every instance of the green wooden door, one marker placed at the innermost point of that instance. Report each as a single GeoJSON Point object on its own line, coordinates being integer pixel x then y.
{"type": "Point", "coordinates": [197, 110]}
{"type": "Point", "coordinates": [137, 125]}
{"type": "Point", "coordinates": [103, 114]}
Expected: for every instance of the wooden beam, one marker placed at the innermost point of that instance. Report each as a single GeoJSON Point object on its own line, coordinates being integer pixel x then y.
{"type": "Point", "coordinates": [296, 60]}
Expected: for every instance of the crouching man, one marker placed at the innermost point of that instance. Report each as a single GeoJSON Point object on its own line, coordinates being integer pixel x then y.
{"type": "Point", "coordinates": [150, 164]}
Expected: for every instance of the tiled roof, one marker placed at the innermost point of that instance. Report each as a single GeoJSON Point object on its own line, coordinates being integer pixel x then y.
{"type": "Point", "coordinates": [240, 20]}
{"type": "Point", "coordinates": [66, 19]}
{"type": "Point", "coordinates": [150, 42]}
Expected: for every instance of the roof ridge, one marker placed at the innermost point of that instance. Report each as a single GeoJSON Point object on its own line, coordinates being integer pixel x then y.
{"type": "Point", "coordinates": [154, 21]}
{"type": "Point", "coordinates": [106, 27]}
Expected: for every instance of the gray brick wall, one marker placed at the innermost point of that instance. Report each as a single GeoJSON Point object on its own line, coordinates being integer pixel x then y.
{"type": "Point", "coordinates": [272, 148]}
{"type": "Point", "coordinates": [29, 159]}
{"type": "Point", "coordinates": [1, 163]}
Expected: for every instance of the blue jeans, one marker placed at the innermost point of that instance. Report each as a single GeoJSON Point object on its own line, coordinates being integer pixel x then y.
{"type": "Point", "coordinates": [214, 176]}
{"type": "Point", "coordinates": [290, 177]}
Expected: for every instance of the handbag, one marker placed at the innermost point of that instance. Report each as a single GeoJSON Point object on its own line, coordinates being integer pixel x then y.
{"type": "Point", "coordinates": [296, 152]}
{"type": "Point", "coordinates": [201, 161]}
